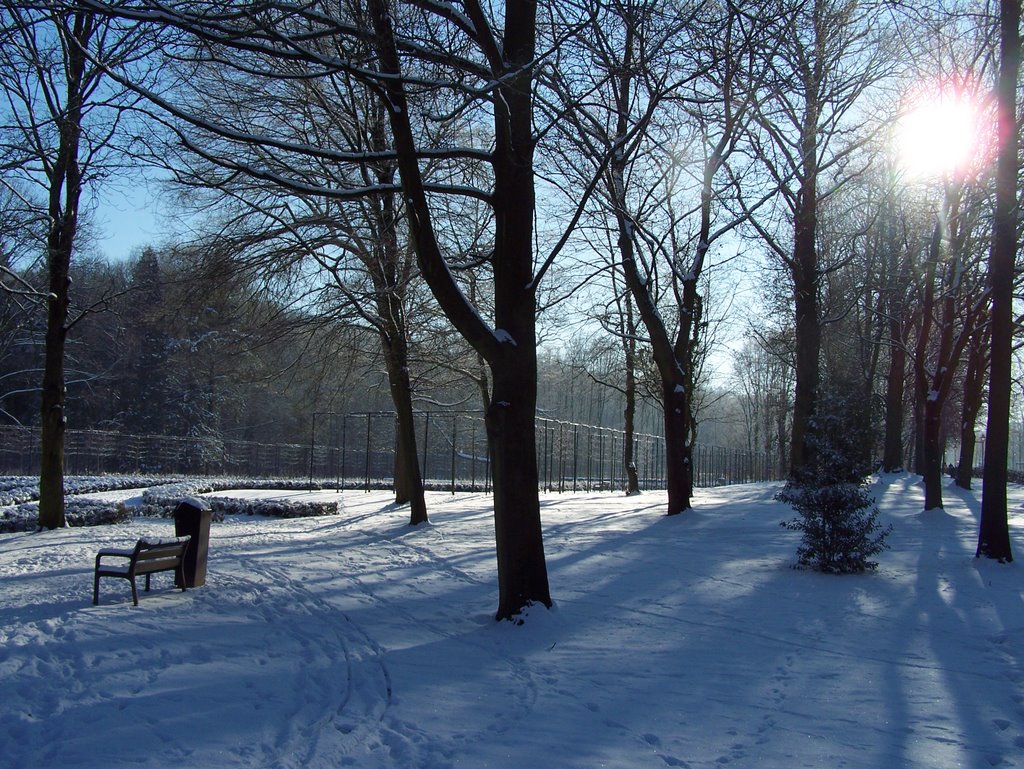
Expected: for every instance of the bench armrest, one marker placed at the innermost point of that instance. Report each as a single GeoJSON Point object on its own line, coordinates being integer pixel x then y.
{"type": "Point", "coordinates": [113, 553]}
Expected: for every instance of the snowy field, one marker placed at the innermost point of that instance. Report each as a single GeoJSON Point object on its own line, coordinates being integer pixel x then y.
{"type": "Point", "coordinates": [353, 640]}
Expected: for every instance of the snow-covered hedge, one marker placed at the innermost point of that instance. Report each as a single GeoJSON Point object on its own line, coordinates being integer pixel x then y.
{"type": "Point", "coordinates": [276, 508]}
{"type": "Point", "coordinates": [19, 511]}
{"type": "Point", "coordinates": [17, 489]}
{"type": "Point", "coordinates": [161, 500]}
{"type": "Point", "coordinates": [79, 512]}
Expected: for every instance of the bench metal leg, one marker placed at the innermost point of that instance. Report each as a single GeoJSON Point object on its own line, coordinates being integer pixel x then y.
{"type": "Point", "coordinates": [96, 590]}
{"type": "Point", "coordinates": [135, 592]}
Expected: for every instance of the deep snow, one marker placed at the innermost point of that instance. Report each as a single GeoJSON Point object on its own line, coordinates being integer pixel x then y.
{"type": "Point", "coordinates": [353, 640]}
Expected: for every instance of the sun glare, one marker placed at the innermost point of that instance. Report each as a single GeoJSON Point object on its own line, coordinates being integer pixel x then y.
{"type": "Point", "coordinates": [942, 134]}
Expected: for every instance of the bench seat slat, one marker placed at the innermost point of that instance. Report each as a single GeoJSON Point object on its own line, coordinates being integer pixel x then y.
{"type": "Point", "coordinates": [160, 564]}
{"type": "Point", "coordinates": [163, 551]}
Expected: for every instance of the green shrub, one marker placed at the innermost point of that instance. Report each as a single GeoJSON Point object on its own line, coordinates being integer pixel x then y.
{"type": "Point", "coordinates": [840, 527]}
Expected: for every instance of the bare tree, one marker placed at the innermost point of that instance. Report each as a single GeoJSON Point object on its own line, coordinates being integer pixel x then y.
{"type": "Point", "coordinates": [896, 305]}
{"type": "Point", "coordinates": [613, 359]}
{"type": "Point", "coordinates": [291, 218]}
{"type": "Point", "coordinates": [504, 76]}
{"type": "Point", "coordinates": [646, 85]}
{"type": "Point", "coordinates": [952, 305]}
{"type": "Point", "coordinates": [763, 383]}
{"type": "Point", "coordinates": [825, 56]}
{"type": "Point", "coordinates": [432, 64]}
{"type": "Point", "coordinates": [60, 131]}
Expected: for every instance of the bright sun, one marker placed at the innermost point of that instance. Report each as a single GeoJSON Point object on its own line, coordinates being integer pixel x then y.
{"type": "Point", "coordinates": [942, 134]}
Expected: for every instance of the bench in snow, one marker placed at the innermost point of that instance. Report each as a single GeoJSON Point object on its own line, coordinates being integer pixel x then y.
{"type": "Point", "coordinates": [148, 557]}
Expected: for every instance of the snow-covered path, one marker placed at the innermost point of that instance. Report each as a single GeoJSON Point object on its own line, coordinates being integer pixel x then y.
{"type": "Point", "coordinates": [355, 641]}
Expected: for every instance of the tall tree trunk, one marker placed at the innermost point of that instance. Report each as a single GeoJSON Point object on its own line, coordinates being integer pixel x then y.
{"type": "Point", "coordinates": [933, 390]}
{"type": "Point", "coordinates": [895, 383]}
{"type": "Point", "coordinates": [973, 397]}
{"type": "Point", "coordinates": [932, 464]}
{"type": "Point", "coordinates": [511, 418]}
{"type": "Point", "coordinates": [65, 180]}
{"type": "Point", "coordinates": [52, 412]}
{"type": "Point", "coordinates": [926, 313]}
{"type": "Point", "coordinates": [675, 383]}
{"type": "Point", "coordinates": [390, 272]}
{"type": "Point", "coordinates": [896, 376]}
{"type": "Point", "coordinates": [807, 313]}
{"type": "Point", "coordinates": [510, 349]}
{"type": "Point", "coordinates": [629, 412]}
{"type": "Point", "coordinates": [994, 532]}
{"type": "Point", "coordinates": [781, 433]}
{"type": "Point", "coordinates": [408, 480]}
{"type": "Point", "coordinates": [675, 394]}
{"type": "Point", "coordinates": [808, 352]}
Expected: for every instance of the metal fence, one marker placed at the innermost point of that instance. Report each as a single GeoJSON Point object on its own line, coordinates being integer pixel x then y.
{"type": "Point", "coordinates": [358, 451]}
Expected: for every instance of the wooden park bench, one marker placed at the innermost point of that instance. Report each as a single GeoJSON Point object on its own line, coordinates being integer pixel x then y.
{"type": "Point", "coordinates": [148, 557]}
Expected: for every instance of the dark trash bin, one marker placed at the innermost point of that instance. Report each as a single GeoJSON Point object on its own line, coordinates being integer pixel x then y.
{"type": "Point", "coordinates": [192, 517]}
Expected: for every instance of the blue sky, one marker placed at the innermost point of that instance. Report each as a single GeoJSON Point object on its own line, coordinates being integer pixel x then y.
{"type": "Point", "coordinates": [126, 216]}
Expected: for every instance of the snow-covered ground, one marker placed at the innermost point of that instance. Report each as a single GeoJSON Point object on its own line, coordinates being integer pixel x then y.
{"type": "Point", "coordinates": [353, 640]}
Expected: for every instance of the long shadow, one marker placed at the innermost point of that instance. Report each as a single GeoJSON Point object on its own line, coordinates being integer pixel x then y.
{"type": "Point", "coordinates": [743, 659]}
{"type": "Point", "coordinates": [968, 664]}
{"type": "Point", "coordinates": [697, 616]}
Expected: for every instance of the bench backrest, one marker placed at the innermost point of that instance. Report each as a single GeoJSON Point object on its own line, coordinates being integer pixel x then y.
{"type": "Point", "coordinates": [158, 555]}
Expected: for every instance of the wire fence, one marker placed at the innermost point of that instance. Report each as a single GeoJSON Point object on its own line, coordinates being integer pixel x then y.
{"type": "Point", "coordinates": [357, 450]}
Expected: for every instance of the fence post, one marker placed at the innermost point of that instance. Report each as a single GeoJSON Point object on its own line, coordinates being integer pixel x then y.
{"type": "Point", "coordinates": [590, 461]}
{"type": "Point", "coordinates": [546, 474]}
{"type": "Point", "coordinates": [454, 436]}
{"type": "Point", "coordinates": [561, 457]}
{"type": "Point", "coordinates": [472, 462]}
{"type": "Point", "coordinates": [344, 446]}
{"type": "Point", "coordinates": [575, 456]}
{"type": "Point", "coordinates": [426, 444]}
{"type": "Point", "coordinates": [366, 463]}
{"type": "Point", "coordinates": [312, 449]}
{"type": "Point", "coordinates": [337, 459]}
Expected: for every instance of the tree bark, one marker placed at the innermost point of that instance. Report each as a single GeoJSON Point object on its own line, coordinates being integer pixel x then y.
{"type": "Point", "coordinates": [994, 533]}
{"type": "Point", "coordinates": [408, 480]}
{"type": "Point", "coordinates": [895, 385]}
{"type": "Point", "coordinates": [973, 397]}
{"type": "Point", "coordinates": [53, 418]}
{"type": "Point", "coordinates": [629, 412]}
{"type": "Point", "coordinates": [678, 449]}
{"type": "Point", "coordinates": [65, 180]}
{"type": "Point", "coordinates": [896, 377]}
{"type": "Point", "coordinates": [808, 353]}
{"type": "Point", "coordinates": [932, 465]}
